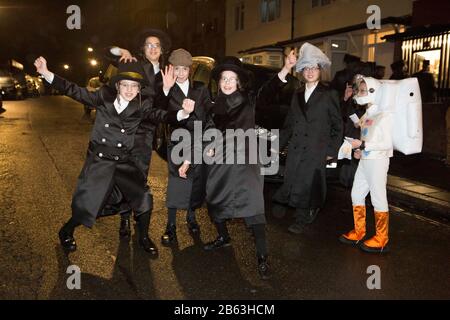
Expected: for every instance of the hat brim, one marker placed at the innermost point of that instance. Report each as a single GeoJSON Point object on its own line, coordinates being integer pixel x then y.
{"type": "Point", "coordinates": [132, 76]}
{"type": "Point", "coordinates": [243, 74]}
{"type": "Point", "coordinates": [166, 43]}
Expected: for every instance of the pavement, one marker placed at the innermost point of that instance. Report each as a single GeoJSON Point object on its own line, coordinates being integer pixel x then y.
{"type": "Point", "coordinates": [423, 198]}
{"type": "Point", "coordinates": [420, 183]}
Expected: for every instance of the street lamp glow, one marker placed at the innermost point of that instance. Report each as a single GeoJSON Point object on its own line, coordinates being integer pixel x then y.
{"type": "Point", "coordinates": [90, 49]}
{"type": "Point", "coordinates": [66, 67]}
{"type": "Point", "coordinates": [93, 62]}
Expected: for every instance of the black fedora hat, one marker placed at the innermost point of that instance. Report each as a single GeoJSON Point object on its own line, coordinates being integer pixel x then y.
{"type": "Point", "coordinates": [128, 71]}
{"type": "Point", "coordinates": [163, 37]}
{"type": "Point", "coordinates": [234, 64]}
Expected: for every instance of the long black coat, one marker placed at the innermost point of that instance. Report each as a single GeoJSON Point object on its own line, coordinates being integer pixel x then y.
{"type": "Point", "coordinates": [236, 190]}
{"type": "Point", "coordinates": [190, 192]}
{"type": "Point", "coordinates": [142, 150]}
{"type": "Point", "coordinates": [109, 163]}
{"type": "Point", "coordinates": [143, 147]}
{"type": "Point", "coordinates": [314, 131]}
{"type": "Point", "coordinates": [146, 131]}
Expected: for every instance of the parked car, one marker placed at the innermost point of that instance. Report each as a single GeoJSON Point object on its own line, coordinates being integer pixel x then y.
{"type": "Point", "coordinates": [32, 86]}
{"type": "Point", "coordinates": [272, 117]}
{"type": "Point", "coordinates": [22, 84]}
{"type": "Point", "coordinates": [10, 87]}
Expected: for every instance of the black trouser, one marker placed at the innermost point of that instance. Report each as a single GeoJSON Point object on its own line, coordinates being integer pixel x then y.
{"type": "Point", "coordinates": [172, 216]}
{"type": "Point", "coordinates": [259, 232]}
{"type": "Point", "coordinates": [306, 215]}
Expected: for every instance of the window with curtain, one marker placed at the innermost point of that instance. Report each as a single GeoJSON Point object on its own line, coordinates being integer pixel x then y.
{"type": "Point", "coordinates": [270, 10]}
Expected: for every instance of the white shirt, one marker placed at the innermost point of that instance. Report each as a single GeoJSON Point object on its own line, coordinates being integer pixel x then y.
{"type": "Point", "coordinates": [120, 106]}
{"type": "Point", "coordinates": [156, 68]}
{"type": "Point", "coordinates": [183, 86]}
{"type": "Point", "coordinates": [309, 91]}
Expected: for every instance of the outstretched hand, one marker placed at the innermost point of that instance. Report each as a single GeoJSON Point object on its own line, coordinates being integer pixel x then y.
{"type": "Point", "coordinates": [169, 77]}
{"type": "Point", "coordinates": [41, 65]}
{"type": "Point", "coordinates": [126, 56]}
{"type": "Point", "coordinates": [290, 61]}
{"type": "Point", "coordinates": [188, 106]}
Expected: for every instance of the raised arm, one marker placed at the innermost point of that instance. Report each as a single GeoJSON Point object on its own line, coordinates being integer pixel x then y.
{"type": "Point", "coordinates": [66, 87]}
{"type": "Point", "coordinates": [267, 93]}
{"type": "Point", "coordinates": [116, 54]}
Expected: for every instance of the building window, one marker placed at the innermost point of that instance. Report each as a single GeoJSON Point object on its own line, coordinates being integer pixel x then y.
{"type": "Point", "coordinates": [239, 15]}
{"type": "Point", "coordinates": [317, 3]}
{"type": "Point", "coordinates": [270, 10]}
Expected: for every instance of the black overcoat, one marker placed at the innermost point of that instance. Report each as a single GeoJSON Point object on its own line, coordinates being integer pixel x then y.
{"type": "Point", "coordinates": [109, 163]}
{"type": "Point", "coordinates": [314, 131]}
{"type": "Point", "coordinates": [236, 190]}
{"type": "Point", "coordinates": [187, 193]}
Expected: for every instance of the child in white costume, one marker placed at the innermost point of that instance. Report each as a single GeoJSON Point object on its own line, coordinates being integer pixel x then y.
{"type": "Point", "coordinates": [374, 149]}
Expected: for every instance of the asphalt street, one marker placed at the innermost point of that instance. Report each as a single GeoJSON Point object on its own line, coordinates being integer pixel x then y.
{"type": "Point", "coordinates": [43, 143]}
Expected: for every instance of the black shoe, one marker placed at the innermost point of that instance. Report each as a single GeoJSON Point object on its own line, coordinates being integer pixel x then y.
{"type": "Point", "coordinates": [263, 267]}
{"type": "Point", "coordinates": [67, 240]}
{"type": "Point", "coordinates": [125, 228]}
{"type": "Point", "coordinates": [193, 226]}
{"type": "Point", "coordinates": [296, 228]}
{"type": "Point", "coordinates": [148, 245]}
{"type": "Point", "coordinates": [170, 235]}
{"type": "Point", "coordinates": [220, 242]}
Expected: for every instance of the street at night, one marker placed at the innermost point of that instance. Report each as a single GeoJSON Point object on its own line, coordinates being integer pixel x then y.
{"type": "Point", "coordinates": [42, 149]}
{"type": "Point", "coordinates": [224, 159]}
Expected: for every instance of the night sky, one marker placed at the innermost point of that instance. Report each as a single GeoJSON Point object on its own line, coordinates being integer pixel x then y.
{"type": "Point", "coordinates": [32, 28]}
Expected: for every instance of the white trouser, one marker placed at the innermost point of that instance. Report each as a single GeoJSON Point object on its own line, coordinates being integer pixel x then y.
{"type": "Point", "coordinates": [371, 176]}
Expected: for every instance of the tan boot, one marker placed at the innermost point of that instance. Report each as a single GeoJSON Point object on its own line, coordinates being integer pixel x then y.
{"type": "Point", "coordinates": [357, 234]}
{"type": "Point", "coordinates": [377, 244]}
